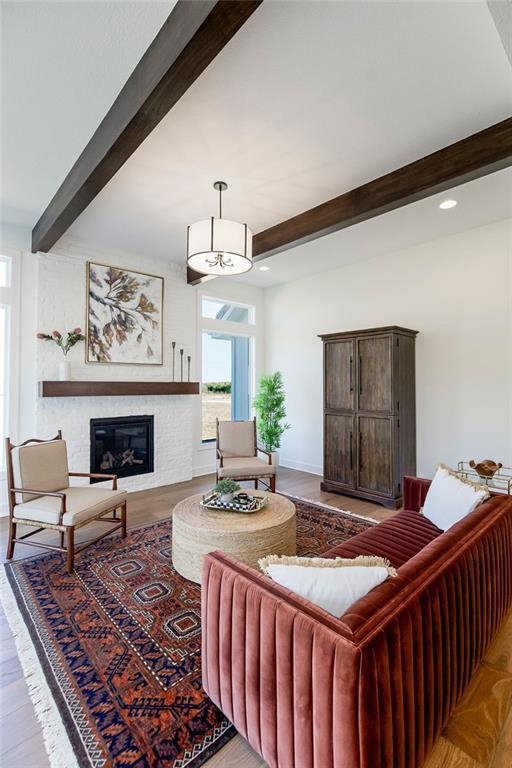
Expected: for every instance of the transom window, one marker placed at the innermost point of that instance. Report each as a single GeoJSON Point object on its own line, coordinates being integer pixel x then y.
{"type": "Point", "coordinates": [216, 309]}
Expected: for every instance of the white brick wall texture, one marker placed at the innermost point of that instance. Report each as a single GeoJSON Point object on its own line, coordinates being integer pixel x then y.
{"type": "Point", "coordinates": [61, 305]}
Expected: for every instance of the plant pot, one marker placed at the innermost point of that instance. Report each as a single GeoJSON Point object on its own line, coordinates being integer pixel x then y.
{"type": "Point", "coordinates": [227, 498]}
{"type": "Point", "coordinates": [64, 371]}
{"type": "Point", "coordinates": [275, 458]}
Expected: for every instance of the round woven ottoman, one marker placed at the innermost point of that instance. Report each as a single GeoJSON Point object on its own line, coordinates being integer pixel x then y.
{"type": "Point", "coordinates": [245, 536]}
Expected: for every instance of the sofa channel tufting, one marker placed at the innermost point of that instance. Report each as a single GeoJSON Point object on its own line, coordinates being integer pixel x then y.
{"type": "Point", "coordinates": [374, 688]}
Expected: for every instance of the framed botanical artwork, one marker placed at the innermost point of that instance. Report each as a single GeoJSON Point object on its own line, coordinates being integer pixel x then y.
{"type": "Point", "coordinates": [124, 316]}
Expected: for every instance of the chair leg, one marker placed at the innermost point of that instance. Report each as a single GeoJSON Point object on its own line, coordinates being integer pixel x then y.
{"type": "Point", "coordinates": [123, 520]}
{"type": "Point", "coordinates": [272, 483]}
{"type": "Point", "coordinates": [62, 539]}
{"type": "Point", "coordinates": [256, 484]}
{"type": "Point", "coordinates": [70, 537]}
{"type": "Point", "coordinates": [10, 540]}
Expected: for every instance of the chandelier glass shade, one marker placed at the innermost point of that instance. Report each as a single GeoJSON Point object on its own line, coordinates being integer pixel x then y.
{"type": "Point", "coordinates": [218, 246]}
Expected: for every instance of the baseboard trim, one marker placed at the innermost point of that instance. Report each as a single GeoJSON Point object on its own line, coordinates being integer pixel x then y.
{"type": "Point", "coordinates": [206, 469]}
{"type": "Point", "coordinates": [313, 469]}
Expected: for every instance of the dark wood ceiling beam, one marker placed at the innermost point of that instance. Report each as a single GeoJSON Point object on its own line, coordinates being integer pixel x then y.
{"type": "Point", "coordinates": [192, 36]}
{"type": "Point", "coordinates": [477, 155]}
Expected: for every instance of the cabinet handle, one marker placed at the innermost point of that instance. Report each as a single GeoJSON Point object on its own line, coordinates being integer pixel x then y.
{"type": "Point", "coordinates": [360, 452]}
{"type": "Point", "coordinates": [351, 454]}
{"type": "Point", "coordinates": [360, 375]}
{"type": "Point", "coordinates": [351, 384]}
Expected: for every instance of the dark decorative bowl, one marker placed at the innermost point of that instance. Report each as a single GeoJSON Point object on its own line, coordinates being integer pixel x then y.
{"type": "Point", "coordinates": [486, 468]}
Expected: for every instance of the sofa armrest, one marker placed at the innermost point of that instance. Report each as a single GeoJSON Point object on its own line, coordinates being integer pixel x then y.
{"type": "Point", "coordinates": [415, 492]}
{"type": "Point", "coordinates": [269, 660]}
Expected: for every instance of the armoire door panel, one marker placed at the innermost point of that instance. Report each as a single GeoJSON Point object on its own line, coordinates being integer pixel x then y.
{"type": "Point", "coordinates": [339, 376]}
{"type": "Point", "coordinates": [375, 453]}
{"type": "Point", "coordinates": [339, 448]}
{"type": "Point", "coordinates": [374, 373]}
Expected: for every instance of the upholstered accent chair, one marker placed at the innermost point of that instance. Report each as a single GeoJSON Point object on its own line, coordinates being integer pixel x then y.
{"type": "Point", "coordinates": [41, 497]}
{"type": "Point", "coordinates": [237, 454]}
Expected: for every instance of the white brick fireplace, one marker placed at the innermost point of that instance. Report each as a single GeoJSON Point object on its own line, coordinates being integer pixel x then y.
{"type": "Point", "coordinates": [61, 304]}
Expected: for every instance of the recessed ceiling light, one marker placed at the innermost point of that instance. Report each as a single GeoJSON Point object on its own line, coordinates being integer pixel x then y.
{"type": "Point", "coordinates": [264, 269]}
{"type": "Point", "coordinates": [447, 204]}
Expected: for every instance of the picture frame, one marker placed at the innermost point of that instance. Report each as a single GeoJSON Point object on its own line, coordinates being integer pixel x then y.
{"type": "Point", "coordinates": [124, 316]}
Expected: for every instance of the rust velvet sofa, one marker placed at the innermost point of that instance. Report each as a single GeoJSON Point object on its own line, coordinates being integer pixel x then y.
{"type": "Point", "coordinates": [374, 688]}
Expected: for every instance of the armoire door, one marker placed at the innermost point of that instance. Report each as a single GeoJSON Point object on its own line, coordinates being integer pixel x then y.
{"type": "Point", "coordinates": [375, 454]}
{"type": "Point", "coordinates": [339, 448]}
{"type": "Point", "coordinates": [374, 373]}
{"type": "Point", "coordinates": [339, 375]}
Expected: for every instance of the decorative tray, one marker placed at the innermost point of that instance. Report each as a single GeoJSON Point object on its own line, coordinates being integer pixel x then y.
{"type": "Point", "coordinates": [500, 482]}
{"type": "Point", "coordinates": [245, 504]}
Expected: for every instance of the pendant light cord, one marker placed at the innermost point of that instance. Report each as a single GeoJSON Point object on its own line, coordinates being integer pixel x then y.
{"type": "Point", "coordinates": [220, 202]}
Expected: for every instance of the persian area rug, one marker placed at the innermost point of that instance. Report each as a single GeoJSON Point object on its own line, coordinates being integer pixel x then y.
{"type": "Point", "coordinates": [112, 655]}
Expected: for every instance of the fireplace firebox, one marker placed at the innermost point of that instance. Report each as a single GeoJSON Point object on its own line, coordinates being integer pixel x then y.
{"type": "Point", "coordinates": [122, 446]}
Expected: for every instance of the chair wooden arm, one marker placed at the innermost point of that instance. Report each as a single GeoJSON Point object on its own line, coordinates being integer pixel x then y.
{"type": "Point", "coordinates": [97, 476]}
{"type": "Point", "coordinates": [55, 494]}
{"type": "Point", "coordinates": [267, 453]}
{"type": "Point", "coordinates": [220, 456]}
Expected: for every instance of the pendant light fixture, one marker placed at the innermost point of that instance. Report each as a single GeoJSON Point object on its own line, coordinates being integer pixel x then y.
{"type": "Point", "coordinates": [219, 246]}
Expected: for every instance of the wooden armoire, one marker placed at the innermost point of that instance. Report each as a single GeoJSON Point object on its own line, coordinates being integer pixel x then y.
{"type": "Point", "coordinates": [369, 413]}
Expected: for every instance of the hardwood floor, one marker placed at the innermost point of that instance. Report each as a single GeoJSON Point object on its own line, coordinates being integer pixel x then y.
{"type": "Point", "coordinates": [478, 735]}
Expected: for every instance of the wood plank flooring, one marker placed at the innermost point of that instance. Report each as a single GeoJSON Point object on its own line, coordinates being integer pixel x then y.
{"type": "Point", "coordinates": [479, 734]}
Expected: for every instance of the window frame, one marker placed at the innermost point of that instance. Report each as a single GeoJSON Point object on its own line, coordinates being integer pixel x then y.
{"type": "Point", "coordinates": [241, 304]}
{"type": "Point", "coordinates": [211, 440]}
{"type": "Point", "coordinates": [10, 296]}
{"type": "Point", "coordinates": [229, 328]}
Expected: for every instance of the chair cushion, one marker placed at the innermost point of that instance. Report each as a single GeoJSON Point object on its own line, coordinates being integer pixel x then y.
{"type": "Point", "coordinates": [40, 466]}
{"type": "Point", "coordinates": [237, 438]}
{"type": "Point", "coordinates": [83, 503]}
{"type": "Point", "coordinates": [245, 467]}
{"type": "Point", "coordinates": [398, 539]}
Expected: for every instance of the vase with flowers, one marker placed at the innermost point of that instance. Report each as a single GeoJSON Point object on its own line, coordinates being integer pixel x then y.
{"type": "Point", "coordinates": [65, 342]}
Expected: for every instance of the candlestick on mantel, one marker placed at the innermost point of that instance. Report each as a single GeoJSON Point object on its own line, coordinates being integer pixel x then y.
{"type": "Point", "coordinates": [173, 344]}
{"type": "Point", "coordinates": [181, 362]}
{"type": "Point", "coordinates": [189, 358]}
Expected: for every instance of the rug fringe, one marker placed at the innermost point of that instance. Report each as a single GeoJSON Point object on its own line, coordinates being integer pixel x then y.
{"type": "Point", "coordinates": [329, 506]}
{"type": "Point", "coordinates": [58, 747]}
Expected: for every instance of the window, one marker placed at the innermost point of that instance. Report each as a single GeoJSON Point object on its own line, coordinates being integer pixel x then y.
{"type": "Point", "coordinates": [5, 272]}
{"type": "Point", "coordinates": [225, 390]}
{"type": "Point", "coordinates": [216, 309]}
{"type": "Point", "coordinates": [4, 345]}
{"type": "Point", "coordinates": [7, 308]}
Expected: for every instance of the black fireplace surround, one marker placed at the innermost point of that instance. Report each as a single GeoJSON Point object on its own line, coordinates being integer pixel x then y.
{"type": "Point", "coordinates": [122, 446]}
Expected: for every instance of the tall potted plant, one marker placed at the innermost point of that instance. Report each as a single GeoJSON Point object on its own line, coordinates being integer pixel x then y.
{"type": "Point", "coordinates": [271, 412]}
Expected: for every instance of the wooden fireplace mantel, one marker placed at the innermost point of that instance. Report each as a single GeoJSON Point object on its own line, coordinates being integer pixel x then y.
{"type": "Point", "coordinates": [116, 388]}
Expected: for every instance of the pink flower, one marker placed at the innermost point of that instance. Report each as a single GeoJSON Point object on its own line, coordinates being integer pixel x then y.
{"type": "Point", "coordinates": [41, 335]}
{"type": "Point", "coordinates": [78, 331]}
{"type": "Point", "coordinates": [56, 335]}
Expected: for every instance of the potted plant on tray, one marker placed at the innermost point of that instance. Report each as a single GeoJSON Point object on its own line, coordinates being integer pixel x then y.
{"type": "Point", "coordinates": [271, 412]}
{"type": "Point", "coordinates": [227, 489]}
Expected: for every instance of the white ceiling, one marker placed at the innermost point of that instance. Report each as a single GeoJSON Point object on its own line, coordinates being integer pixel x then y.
{"type": "Point", "coordinates": [309, 99]}
{"type": "Point", "coordinates": [63, 64]}
{"type": "Point", "coordinates": [480, 202]}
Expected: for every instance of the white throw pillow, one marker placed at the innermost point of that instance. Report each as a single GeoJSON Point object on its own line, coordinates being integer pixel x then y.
{"type": "Point", "coordinates": [334, 584]}
{"type": "Point", "coordinates": [450, 498]}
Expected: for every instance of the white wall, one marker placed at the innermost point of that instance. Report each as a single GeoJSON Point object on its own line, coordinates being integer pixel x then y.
{"type": "Point", "coordinates": [457, 292]}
